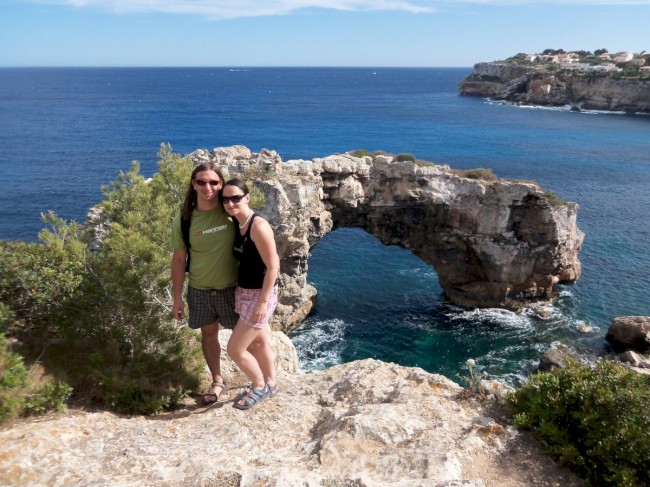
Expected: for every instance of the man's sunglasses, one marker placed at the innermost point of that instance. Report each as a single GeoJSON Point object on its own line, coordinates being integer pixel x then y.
{"type": "Point", "coordinates": [212, 182]}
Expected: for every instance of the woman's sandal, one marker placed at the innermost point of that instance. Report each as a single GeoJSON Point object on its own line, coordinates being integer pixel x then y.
{"type": "Point", "coordinates": [272, 390]}
{"type": "Point", "coordinates": [213, 397]}
{"type": "Point", "coordinates": [246, 390]}
{"type": "Point", "coordinates": [252, 397]}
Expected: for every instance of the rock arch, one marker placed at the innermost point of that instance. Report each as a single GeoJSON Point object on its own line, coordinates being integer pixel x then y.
{"type": "Point", "coordinates": [492, 243]}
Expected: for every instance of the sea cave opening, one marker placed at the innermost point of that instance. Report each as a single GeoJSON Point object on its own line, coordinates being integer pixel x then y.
{"type": "Point", "coordinates": [383, 302]}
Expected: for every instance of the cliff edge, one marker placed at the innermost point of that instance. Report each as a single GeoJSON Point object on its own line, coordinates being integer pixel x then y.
{"type": "Point", "coordinates": [538, 85]}
{"type": "Point", "coordinates": [365, 423]}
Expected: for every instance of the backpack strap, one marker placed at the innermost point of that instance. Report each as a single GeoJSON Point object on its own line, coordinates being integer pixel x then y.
{"type": "Point", "coordinates": [185, 231]}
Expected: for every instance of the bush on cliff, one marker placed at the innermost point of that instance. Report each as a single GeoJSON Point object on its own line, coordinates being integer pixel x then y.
{"type": "Point", "coordinates": [100, 320]}
{"type": "Point", "coordinates": [553, 199]}
{"type": "Point", "coordinates": [484, 174]}
{"type": "Point", "coordinates": [593, 419]}
{"type": "Point", "coordinates": [361, 153]}
{"type": "Point", "coordinates": [26, 390]}
{"type": "Point", "coordinates": [405, 157]}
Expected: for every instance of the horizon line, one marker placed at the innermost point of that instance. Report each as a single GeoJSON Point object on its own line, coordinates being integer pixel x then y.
{"type": "Point", "coordinates": [228, 67]}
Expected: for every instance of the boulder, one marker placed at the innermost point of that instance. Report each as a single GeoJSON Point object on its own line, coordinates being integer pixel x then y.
{"type": "Point", "coordinates": [630, 333]}
{"type": "Point", "coordinates": [556, 355]}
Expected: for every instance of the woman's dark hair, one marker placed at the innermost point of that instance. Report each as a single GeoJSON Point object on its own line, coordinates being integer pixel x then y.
{"type": "Point", "coordinates": [190, 196]}
{"type": "Point", "coordinates": [238, 183]}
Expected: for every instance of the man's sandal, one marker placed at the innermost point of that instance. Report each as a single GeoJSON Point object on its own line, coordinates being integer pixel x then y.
{"type": "Point", "coordinates": [252, 397]}
{"type": "Point", "coordinates": [213, 397]}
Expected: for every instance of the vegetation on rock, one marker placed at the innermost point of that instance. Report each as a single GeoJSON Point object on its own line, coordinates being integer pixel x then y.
{"type": "Point", "coordinates": [484, 174]}
{"type": "Point", "coordinates": [100, 320]}
{"type": "Point", "coordinates": [26, 390]}
{"type": "Point", "coordinates": [594, 419]}
{"type": "Point", "coordinates": [625, 69]}
{"type": "Point", "coordinates": [404, 157]}
{"type": "Point", "coordinates": [361, 153]}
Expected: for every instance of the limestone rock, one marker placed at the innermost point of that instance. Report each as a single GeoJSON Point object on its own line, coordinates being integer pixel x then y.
{"type": "Point", "coordinates": [630, 333]}
{"type": "Point", "coordinates": [492, 243]}
{"type": "Point", "coordinates": [498, 389]}
{"type": "Point", "coordinates": [286, 357]}
{"type": "Point", "coordinates": [556, 355]}
{"type": "Point", "coordinates": [584, 328]}
{"type": "Point", "coordinates": [635, 359]}
{"type": "Point", "coordinates": [538, 86]}
{"type": "Point", "coordinates": [368, 422]}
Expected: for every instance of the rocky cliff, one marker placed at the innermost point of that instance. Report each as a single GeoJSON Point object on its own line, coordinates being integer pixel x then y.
{"type": "Point", "coordinates": [365, 423]}
{"type": "Point", "coordinates": [539, 86]}
{"type": "Point", "coordinates": [492, 243]}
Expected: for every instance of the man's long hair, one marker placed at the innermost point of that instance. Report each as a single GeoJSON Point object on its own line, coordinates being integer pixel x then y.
{"type": "Point", "coordinates": [190, 196]}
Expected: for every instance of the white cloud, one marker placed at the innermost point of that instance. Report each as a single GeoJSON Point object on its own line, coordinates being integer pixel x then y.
{"type": "Point", "coordinates": [227, 9]}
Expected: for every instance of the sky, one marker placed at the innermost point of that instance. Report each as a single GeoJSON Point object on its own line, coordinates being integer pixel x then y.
{"type": "Point", "coordinates": [400, 33]}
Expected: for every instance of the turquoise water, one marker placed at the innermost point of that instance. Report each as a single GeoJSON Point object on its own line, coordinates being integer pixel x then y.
{"type": "Point", "coordinates": [383, 302]}
{"type": "Point", "coordinates": [65, 132]}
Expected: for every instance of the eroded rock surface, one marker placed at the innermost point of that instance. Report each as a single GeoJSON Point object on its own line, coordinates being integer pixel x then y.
{"type": "Point", "coordinates": [540, 86]}
{"type": "Point", "coordinates": [366, 423]}
{"type": "Point", "coordinates": [492, 243]}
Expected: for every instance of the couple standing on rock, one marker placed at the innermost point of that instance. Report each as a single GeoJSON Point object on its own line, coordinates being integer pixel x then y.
{"type": "Point", "coordinates": [215, 229]}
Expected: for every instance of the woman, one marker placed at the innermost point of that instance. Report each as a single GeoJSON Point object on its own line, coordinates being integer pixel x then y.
{"type": "Point", "coordinates": [204, 233]}
{"type": "Point", "coordinates": [256, 295]}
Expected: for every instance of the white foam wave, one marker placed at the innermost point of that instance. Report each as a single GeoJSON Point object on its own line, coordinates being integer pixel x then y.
{"type": "Point", "coordinates": [420, 272]}
{"type": "Point", "coordinates": [320, 344]}
{"type": "Point", "coordinates": [563, 108]}
{"type": "Point", "coordinates": [496, 315]}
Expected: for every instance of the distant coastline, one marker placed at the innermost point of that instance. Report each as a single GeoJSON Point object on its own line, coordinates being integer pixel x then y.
{"type": "Point", "coordinates": [578, 80]}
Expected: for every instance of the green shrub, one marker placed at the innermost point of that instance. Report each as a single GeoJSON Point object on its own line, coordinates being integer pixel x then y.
{"type": "Point", "coordinates": [258, 198]}
{"type": "Point", "coordinates": [24, 391]}
{"type": "Point", "coordinates": [553, 199]}
{"type": "Point", "coordinates": [7, 315]}
{"type": "Point", "coordinates": [101, 320]}
{"type": "Point", "coordinates": [405, 157]}
{"type": "Point", "coordinates": [37, 279]}
{"type": "Point", "coordinates": [594, 420]}
{"type": "Point", "coordinates": [13, 380]}
{"type": "Point", "coordinates": [478, 173]}
{"type": "Point", "coordinates": [50, 397]}
{"type": "Point", "coordinates": [361, 153]}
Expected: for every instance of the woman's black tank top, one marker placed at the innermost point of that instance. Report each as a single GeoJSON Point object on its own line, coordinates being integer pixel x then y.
{"type": "Point", "coordinates": [251, 266]}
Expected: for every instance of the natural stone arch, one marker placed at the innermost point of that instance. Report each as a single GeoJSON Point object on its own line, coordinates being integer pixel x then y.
{"type": "Point", "coordinates": [492, 243]}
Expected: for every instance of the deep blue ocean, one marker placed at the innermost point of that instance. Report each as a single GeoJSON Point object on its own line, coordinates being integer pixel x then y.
{"type": "Point", "coordinates": [64, 132]}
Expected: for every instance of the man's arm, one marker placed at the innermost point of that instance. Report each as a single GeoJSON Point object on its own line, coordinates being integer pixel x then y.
{"type": "Point", "coordinates": [178, 279]}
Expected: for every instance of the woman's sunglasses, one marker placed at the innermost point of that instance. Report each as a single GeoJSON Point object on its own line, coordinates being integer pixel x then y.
{"type": "Point", "coordinates": [232, 199]}
{"type": "Point", "coordinates": [212, 182]}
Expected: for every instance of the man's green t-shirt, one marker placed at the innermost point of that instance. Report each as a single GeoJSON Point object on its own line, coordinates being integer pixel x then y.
{"type": "Point", "coordinates": [212, 234]}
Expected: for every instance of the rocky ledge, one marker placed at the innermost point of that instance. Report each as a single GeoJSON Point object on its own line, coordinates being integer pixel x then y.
{"type": "Point", "coordinates": [540, 86]}
{"type": "Point", "coordinates": [365, 423]}
{"type": "Point", "coordinates": [492, 243]}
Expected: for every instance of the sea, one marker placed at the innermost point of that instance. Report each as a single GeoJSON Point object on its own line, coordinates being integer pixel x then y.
{"type": "Point", "coordinates": [65, 132]}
